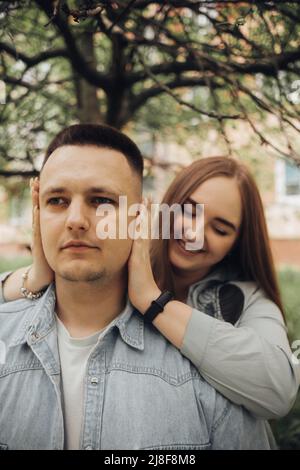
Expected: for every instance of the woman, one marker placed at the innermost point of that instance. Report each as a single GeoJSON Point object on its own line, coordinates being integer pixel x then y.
{"type": "Point", "coordinates": [227, 316]}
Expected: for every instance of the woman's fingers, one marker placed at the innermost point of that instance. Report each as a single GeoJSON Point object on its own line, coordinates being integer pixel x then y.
{"type": "Point", "coordinates": [35, 192]}
{"type": "Point", "coordinates": [36, 228]}
{"type": "Point", "coordinates": [146, 215]}
{"type": "Point", "coordinates": [141, 243]}
{"type": "Point", "coordinates": [140, 278]}
{"type": "Point", "coordinates": [41, 274]}
{"type": "Point", "coordinates": [34, 185]}
{"type": "Point", "coordinates": [34, 189]}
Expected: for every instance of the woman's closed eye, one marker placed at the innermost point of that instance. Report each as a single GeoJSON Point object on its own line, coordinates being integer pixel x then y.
{"type": "Point", "coordinates": [221, 232]}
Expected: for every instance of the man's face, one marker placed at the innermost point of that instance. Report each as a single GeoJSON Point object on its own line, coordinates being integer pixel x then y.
{"type": "Point", "coordinates": [74, 182]}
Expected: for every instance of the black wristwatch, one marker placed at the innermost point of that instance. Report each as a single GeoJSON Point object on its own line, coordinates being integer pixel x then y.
{"type": "Point", "coordinates": [157, 306]}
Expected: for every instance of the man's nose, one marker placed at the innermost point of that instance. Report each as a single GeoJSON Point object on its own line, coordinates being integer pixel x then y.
{"type": "Point", "coordinates": [77, 218]}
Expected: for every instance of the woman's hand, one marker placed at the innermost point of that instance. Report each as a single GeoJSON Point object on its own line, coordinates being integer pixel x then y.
{"type": "Point", "coordinates": [40, 275]}
{"type": "Point", "coordinates": [142, 288]}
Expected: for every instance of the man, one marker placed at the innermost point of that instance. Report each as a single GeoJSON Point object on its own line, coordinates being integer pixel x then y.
{"type": "Point", "coordinates": [83, 370]}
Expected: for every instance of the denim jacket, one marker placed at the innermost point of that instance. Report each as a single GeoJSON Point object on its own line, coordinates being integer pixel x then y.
{"type": "Point", "coordinates": [140, 391]}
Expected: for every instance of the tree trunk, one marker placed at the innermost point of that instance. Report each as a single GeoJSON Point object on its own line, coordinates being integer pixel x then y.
{"type": "Point", "coordinates": [87, 100]}
{"type": "Point", "coordinates": [116, 95]}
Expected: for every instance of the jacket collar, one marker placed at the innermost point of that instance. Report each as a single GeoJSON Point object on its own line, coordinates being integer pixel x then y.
{"type": "Point", "coordinates": [224, 272]}
{"type": "Point", "coordinates": [131, 326]}
{"type": "Point", "coordinates": [40, 320]}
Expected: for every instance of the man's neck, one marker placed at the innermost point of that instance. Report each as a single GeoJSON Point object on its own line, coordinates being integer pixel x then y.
{"type": "Point", "coordinates": [88, 307]}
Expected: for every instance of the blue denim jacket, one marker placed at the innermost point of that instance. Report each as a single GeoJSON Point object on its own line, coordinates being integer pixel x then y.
{"type": "Point", "coordinates": [140, 392]}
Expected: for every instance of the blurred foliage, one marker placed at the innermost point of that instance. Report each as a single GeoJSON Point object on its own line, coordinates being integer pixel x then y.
{"type": "Point", "coordinates": [135, 65]}
{"type": "Point", "coordinates": [11, 264]}
{"type": "Point", "coordinates": [287, 429]}
{"type": "Point", "coordinates": [289, 281]}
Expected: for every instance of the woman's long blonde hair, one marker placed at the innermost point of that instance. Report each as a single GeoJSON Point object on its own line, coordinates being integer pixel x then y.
{"type": "Point", "coordinates": [251, 251]}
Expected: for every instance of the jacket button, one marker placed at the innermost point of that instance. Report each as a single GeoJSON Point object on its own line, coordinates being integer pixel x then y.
{"type": "Point", "coordinates": [94, 380]}
{"type": "Point", "coordinates": [34, 336]}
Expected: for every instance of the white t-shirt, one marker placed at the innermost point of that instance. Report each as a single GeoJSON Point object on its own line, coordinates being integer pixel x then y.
{"type": "Point", "coordinates": [74, 354]}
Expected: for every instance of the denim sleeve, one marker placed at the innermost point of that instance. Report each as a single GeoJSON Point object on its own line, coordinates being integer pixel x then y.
{"type": "Point", "coordinates": [3, 277]}
{"type": "Point", "coordinates": [234, 428]}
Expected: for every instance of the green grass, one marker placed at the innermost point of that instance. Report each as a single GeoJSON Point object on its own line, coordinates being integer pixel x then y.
{"type": "Point", "coordinates": [289, 281]}
{"type": "Point", "coordinates": [11, 264]}
{"type": "Point", "coordinates": [286, 430]}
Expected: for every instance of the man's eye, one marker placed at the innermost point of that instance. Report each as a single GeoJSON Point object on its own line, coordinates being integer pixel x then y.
{"type": "Point", "coordinates": [55, 201]}
{"type": "Point", "coordinates": [102, 200]}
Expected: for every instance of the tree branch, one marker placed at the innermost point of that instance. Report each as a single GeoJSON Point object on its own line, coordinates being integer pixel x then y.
{"type": "Point", "coordinates": [32, 61]}
{"type": "Point", "coordinates": [80, 65]}
{"type": "Point", "coordinates": [168, 90]}
{"type": "Point", "coordinates": [23, 174]}
{"type": "Point", "coordinates": [181, 82]}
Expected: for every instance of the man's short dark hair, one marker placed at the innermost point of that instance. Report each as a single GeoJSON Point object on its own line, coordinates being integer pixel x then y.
{"type": "Point", "coordinates": [101, 136]}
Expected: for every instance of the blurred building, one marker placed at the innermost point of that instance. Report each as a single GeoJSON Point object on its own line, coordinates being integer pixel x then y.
{"type": "Point", "coordinates": [283, 213]}
{"type": "Point", "coordinates": [278, 181]}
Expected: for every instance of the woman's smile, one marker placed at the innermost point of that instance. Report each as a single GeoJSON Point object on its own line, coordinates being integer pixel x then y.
{"type": "Point", "coordinates": [180, 244]}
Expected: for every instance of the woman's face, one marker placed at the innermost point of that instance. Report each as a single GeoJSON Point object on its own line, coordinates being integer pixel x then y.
{"type": "Point", "coordinates": [222, 219]}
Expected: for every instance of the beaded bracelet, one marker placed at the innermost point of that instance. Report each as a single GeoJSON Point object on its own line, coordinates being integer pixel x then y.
{"type": "Point", "coordinates": [27, 293]}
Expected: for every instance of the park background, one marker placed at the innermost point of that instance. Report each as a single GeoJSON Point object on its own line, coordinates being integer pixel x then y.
{"type": "Point", "coordinates": [185, 79]}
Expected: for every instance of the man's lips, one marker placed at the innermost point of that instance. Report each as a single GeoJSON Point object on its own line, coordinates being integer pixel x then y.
{"type": "Point", "coordinates": [77, 246]}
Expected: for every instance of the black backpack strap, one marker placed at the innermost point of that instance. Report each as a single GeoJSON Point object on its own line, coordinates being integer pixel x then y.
{"type": "Point", "coordinates": [231, 302]}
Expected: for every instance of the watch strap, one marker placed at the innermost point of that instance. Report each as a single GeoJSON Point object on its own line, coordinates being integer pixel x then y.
{"type": "Point", "coordinates": [157, 306]}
